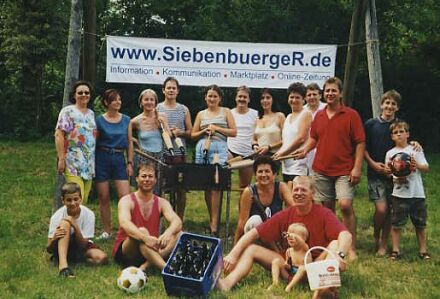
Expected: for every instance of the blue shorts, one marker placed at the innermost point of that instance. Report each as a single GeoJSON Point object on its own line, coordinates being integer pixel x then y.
{"type": "Point", "coordinates": [110, 166]}
{"type": "Point", "coordinates": [217, 147]}
{"type": "Point", "coordinates": [379, 190]}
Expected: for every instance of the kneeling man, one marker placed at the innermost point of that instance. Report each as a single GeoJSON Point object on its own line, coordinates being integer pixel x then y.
{"type": "Point", "coordinates": [138, 242]}
{"type": "Point", "coordinates": [324, 228]}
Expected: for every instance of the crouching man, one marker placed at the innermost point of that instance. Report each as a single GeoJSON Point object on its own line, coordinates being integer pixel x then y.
{"type": "Point", "coordinates": [323, 226]}
{"type": "Point", "coordinates": [138, 242]}
{"type": "Point", "coordinates": [70, 230]}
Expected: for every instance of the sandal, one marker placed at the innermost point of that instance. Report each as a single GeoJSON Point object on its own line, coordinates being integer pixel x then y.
{"type": "Point", "coordinates": [66, 273]}
{"type": "Point", "coordinates": [424, 256]}
{"type": "Point", "coordinates": [395, 256]}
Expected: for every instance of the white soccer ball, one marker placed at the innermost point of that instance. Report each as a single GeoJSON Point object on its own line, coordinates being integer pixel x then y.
{"type": "Point", "coordinates": [132, 280]}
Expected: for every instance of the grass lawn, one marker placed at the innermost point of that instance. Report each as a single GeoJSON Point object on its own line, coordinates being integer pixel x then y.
{"type": "Point", "coordinates": [27, 172]}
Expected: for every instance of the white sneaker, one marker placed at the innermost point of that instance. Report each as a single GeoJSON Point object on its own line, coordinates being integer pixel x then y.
{"type": "Point", "coordinates": [104, 236]}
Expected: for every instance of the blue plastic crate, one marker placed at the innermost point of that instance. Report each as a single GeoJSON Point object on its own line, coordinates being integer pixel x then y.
{"type": "Point", "coordinates": [176, 285]}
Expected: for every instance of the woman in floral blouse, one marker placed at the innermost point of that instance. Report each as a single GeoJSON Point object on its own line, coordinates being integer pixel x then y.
{"type": "Point", "coordinates": [75, 139]}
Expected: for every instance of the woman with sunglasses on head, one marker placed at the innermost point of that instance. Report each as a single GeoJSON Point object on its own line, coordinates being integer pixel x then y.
{"type": "Point", "coordinates": [75, 139]}
{"type": "Point", "coordinates": [111, 144]}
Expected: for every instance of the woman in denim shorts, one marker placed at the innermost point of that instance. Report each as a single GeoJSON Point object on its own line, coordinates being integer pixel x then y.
{"type": "Point", "coordinates": [112, 143]}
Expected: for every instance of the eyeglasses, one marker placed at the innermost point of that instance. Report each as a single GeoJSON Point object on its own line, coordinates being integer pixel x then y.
{"type": "Point", "coordinates": [80, 93]}
{"type": "Point", "coordinates": [398, 132]}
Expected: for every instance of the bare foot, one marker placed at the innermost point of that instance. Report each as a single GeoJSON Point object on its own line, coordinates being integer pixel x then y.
{"type": "Point", "coordinates": [221, 285]}
{"type": "Point", "coordinates": [352, 255]}
{"type": "Point", "coordinates": [381, 252]}
{"type": "Point", "coordinates": [145, 266]}
{"type": "Point", "coordinates": [271, 287]}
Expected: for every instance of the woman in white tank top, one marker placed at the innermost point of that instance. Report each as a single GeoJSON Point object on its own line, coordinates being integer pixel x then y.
{"type": "Point", "coordinates": [295, 132]}
{"type": "Point", "coordinates": [267, 134]}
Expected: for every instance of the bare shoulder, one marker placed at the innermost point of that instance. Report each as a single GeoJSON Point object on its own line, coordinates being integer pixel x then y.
{"type": "Point", "coordinates": [125, 202]}
{"type": "Point", "coordinates": [163, 203]}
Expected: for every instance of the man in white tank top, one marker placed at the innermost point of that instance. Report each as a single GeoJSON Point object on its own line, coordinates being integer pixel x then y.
{"type": "Point", "coordinates": [245, 120]}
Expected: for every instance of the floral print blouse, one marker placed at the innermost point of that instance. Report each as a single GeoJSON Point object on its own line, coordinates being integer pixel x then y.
{"type": "Point", "coordinates": [80, 140]}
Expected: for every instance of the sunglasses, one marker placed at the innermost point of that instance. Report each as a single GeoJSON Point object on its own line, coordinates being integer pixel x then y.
{"type": "Point", "coordinates": [83, 93]}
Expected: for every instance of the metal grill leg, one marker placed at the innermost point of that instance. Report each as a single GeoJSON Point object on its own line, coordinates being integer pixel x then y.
{"type": "Point", "coordinates": [228, 205]}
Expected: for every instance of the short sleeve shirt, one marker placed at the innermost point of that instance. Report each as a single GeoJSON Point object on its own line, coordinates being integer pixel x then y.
{"type": "Point", "coordinates": [336, 138]}
{"type": "Point", "coordinates": [322, 224]}
{"type": "Point", "coordinates": [80, 136]}
{"type": "Point", "coordinates": [85, 221]}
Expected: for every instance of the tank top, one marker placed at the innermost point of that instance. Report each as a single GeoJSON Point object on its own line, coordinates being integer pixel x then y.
{"type": "Point", "coordinates": [242, 143]}
{"type": "Point", "coordinates": [290, 131]}
{"type": "Point", "coordinates": [112, 135]}
{"type": "Point", "coordinates": [268, 135]}
{"type": "Point", "coordinates": [176, 118]}
{"type": "Point", "coordinates": [152, 223]}
{"type": "Point", "coordinates": [275, 206]}
{"type": "Point", "coordinates": [219, 120]}
{"type": "Point", "coordinates": [150, 141]}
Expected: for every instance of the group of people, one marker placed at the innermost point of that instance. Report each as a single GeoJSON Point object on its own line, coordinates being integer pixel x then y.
{"type": "Point", "coordinates": [320, 147]}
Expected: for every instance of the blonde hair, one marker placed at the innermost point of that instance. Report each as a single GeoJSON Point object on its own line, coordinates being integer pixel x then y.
{"type": "Point", "coordinates": [144, 92]}
{"type": "Point", "coordinates": [299, 229]}
{"type": "Point", "coordinates": [309, 180]}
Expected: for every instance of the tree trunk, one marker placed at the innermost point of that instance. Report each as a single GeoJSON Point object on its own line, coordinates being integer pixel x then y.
{"type": "Point", "coordinates": [89, 57]}
{"type": "Point", "coordinates": [354, 44]}
{"type": "Point", "coordinates": [73, 49]}
{"type": "Point", "coordinates": [373, 57]}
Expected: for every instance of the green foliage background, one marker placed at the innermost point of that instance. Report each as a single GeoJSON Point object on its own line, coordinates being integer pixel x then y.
{"type": "Point", "coordinates": [33, 38]}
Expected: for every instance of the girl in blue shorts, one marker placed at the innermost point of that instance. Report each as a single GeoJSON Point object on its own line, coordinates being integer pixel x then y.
{"type": "Point", "coordinates": [111, 144]}
{"type": "Point", "coordinates": [215, 124]}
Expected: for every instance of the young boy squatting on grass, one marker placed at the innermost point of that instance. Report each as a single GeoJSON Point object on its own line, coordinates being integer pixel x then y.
{"type": "Point", "coordinates": [408, 197]}
{"type": "Point", "coordinates": [70, 230]}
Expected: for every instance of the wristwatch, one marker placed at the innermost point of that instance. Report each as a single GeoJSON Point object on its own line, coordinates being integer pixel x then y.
{"type": "Point", "coordinates": [341, 255]}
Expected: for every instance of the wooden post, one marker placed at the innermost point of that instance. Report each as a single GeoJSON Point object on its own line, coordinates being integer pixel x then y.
{"type": "Point", "coordinates": [73, 49]}
{"type": "Point", "coordinates": [354, 44]}
{"type": "Point", "coordinates": [89, 57]}
{"type": "Point", "coordinates": [373, 57]}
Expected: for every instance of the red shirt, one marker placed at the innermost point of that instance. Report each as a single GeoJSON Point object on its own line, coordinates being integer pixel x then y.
{"type": "Point", "coordinates": [322, 224]}
{"type": "Point", "coordinates": [151, 224]}
{"type": "Point", "coordinates": [336, 141]}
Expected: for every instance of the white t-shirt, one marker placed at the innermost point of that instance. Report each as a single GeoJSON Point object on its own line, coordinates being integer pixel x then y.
{"type": "Point", "coordinates": [85, 221]}
{"type": "Point", "coordinates": [413, 185]}
{"type": "Point", "coordinates": [242, 144]}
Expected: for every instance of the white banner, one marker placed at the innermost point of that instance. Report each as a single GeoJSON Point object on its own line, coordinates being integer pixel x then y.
{"type": "Point", "coordinates": [229, 64]}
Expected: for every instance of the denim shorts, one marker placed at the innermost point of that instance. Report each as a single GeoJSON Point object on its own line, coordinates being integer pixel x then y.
{"type": "Point", "coordinates": [414, 207]}
{"type": "Point", "coordinates": [217, 147]}
{"type": "Point", "coordinates": [380, 190]}
{"type": "Point", "coordinates": [333, 187]}
{"type": "Point", "coordinates": [110, 166]}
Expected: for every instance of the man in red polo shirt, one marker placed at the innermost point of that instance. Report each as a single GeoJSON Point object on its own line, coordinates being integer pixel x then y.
{"type": "Point", "coordinates": [338, 135]}
{"type": "Point", "coordinates": [323, 226]}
